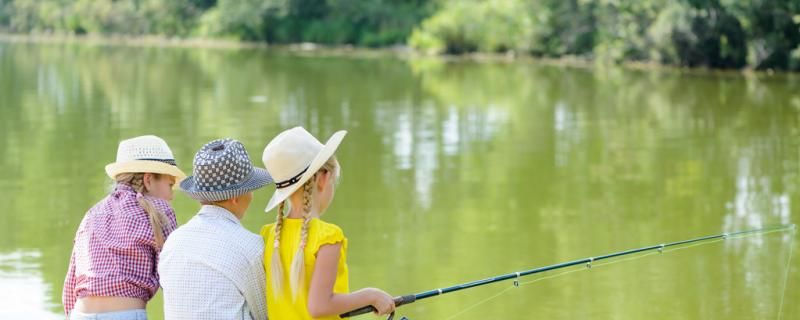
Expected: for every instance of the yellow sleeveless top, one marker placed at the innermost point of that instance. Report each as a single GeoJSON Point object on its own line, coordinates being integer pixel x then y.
{"type": "Point", "coordinates": [319, 233]}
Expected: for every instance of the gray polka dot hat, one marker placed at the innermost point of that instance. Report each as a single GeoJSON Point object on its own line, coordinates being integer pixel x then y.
{"type": "Point", "coordinates": [222, 170]}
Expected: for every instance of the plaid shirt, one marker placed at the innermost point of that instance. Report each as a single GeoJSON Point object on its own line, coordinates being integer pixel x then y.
{"type": "Point", "coordinates": [114, 251]}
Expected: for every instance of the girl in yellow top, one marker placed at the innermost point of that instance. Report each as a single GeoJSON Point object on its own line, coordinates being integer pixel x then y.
{"type": "Point", "coordinates": [305, 257]}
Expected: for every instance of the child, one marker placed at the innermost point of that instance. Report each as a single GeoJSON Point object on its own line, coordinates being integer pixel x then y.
{"type": "Point", "coordinates": [112, 271]}
{"type": "Point", "coordinates": [305, 257]}
{"type": "Point", "coordinates": [212, 266]}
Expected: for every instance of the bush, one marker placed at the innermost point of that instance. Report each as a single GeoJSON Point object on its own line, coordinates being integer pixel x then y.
{"type": "Point", "coordinates": [240, 19]}
{"type": "Point", "coordinates": [462, 26]}
{"type": "Point", "coordinates": [689, 36]}
{"type": "Point", "coordinates": [763, 34]}
{"type": "Point", "coordinates": [622, 29]}
{"type": "Point", "coordinates": [174, 17]}
{"type": "Point", "coordinates": [5, 6]}
{"type": "Point", "coordinates": [563, 27]}
{"type": "Point", "coordinates": [773, 31]}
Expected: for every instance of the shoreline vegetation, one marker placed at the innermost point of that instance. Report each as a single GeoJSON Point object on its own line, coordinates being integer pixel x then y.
{"type": "Point", "coordinates": [397, 51]}
{"type": "Point", "coordinates": [712, 34]}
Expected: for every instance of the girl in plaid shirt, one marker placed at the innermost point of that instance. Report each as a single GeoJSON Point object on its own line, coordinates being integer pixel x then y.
{"type": "Point", "coordinates": [112, 270]}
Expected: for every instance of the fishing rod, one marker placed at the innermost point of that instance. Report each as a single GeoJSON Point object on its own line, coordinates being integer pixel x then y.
{"type": "Point", "coordinates": [407, 299]}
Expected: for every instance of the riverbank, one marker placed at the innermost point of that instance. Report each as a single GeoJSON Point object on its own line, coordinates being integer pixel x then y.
{"type": "Point", "coordinates": [399, 52]}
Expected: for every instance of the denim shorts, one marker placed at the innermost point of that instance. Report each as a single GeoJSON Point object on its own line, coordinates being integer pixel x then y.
{"type": "Point", "coordinates": [135, 314]}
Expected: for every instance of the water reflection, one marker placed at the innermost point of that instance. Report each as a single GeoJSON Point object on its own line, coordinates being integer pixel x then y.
{"type": "Point", "coordinates": [568, 134]}
{"type": "Point", "coordinates": [451, 171]}
{"type": "Point", "coordinates": [23, 291]}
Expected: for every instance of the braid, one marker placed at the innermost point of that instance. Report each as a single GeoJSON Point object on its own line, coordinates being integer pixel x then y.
{"type": "Point", "coordinates": [277, 267]}
{"type": "Point", "coordinates": [136, 181]}
{"type": "Point", "coordinates": [307, 188]}
{"type": "Point", "coordinates": [298, 263]}
{"type": "Point", "coordinates": [307, 195]}
{"type": "Point", "coordinates": [279, 225]}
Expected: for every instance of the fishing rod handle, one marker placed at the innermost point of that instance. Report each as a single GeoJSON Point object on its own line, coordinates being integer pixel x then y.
{"type": "Point", "coordinates": [398, 301]}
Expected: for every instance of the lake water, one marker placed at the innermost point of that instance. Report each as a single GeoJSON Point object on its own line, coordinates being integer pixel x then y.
{"type": "Point", "coordinates": [452, 172]}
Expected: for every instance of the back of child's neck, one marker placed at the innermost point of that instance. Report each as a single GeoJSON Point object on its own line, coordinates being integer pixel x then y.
{"type": "Point", "coordinates": [298, 214]}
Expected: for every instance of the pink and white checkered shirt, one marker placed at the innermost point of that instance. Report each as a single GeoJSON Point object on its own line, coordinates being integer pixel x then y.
{"type": "Point", "coordinates": [114, 251]}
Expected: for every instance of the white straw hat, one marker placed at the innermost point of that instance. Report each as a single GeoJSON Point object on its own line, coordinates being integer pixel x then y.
{"type": "Point", "coordinates": [146, 154]}
{"type": "Point", "coordinates": [293, 157]}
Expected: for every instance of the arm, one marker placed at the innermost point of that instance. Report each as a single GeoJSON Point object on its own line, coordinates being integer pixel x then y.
{"type": "Point", "coordinates": [255, 296]}
{"type": "Point", "coordinates": [68, 293]}
{"type": "Point", "coordinates": [322, 301]}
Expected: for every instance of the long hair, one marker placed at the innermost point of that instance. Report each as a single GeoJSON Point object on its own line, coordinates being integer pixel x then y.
{"type": "Point", "coordinates": [136, 181]}
{"type": "Point", "coordinates": [297, 269]}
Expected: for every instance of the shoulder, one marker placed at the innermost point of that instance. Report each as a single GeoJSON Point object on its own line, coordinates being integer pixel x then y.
{"type": "Point", "coordinates": [328, 233]}
{"type": "Point", "coordinates": [162, 205]}
{"type": "Point", "coordinates": [235, 235]}
{"type": "Point", "coordinates": [266, 230]}
{"type": "Point", "coordinates": [214, 241]}
{"type": "Point", "coordinates": [330, 226]}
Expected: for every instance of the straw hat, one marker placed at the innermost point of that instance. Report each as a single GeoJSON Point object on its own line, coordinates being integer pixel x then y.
{"type": "Point", "coordinates": [293, 157]}
{"type": "Point", "coordinates": [222, 170]}
{"type": "Point", "coordinates": [148, 154]}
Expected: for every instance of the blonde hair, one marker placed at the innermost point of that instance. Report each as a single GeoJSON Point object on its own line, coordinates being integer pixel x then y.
{"type": "Point", "coordinates": [297, 271]}
{"type": "Point", "coordinates": [136, 181]}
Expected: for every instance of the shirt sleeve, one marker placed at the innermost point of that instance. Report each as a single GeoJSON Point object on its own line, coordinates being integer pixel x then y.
{"type": "Point", "coordinates": [68, 293]}
{"type": "Point", "coordinates": [172, 221]}
{"type": "Point", "coordinates": [170, 226]}
{"type": "Point", "coordinates": [330, 234]}
{"type": "Point", "coordinates": [255, 296]}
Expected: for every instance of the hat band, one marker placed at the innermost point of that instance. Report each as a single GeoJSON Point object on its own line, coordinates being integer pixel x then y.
{"type": "Point", "coordinates": [293, 180]}
{"type": "Point", "coordinates": [167, 161]}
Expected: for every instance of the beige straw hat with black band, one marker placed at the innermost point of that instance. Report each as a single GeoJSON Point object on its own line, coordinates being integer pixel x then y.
{"type": "Point", "coordinates": [293, 157]}
{"type": "Point", "coordinates": [145, 154]}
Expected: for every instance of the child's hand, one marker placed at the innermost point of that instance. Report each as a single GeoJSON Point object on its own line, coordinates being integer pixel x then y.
{"type": "Point", "coordinates": [382, 301]}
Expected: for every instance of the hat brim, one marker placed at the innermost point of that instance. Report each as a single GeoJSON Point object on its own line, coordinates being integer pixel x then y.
{"type": "Point", "coordinates": [327, 151]}
{"type": "Point", "coordinates": [258, 179]}
{"type": "Point", "coordinates": [145, 166]}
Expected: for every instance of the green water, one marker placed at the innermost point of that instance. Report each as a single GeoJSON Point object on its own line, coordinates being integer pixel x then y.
{"type": "Point", "coordinates": [452, 171]}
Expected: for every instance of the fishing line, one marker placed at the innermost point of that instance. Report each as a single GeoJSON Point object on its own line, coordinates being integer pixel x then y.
{"type": "Point", "coordinates": [611, 258]}
{"type": "Point", "coordinates": [786, 273]}
{"type": "Point", "coordinates": [473, 306]}
{"type": "Point", "coordinates": [591, 264]}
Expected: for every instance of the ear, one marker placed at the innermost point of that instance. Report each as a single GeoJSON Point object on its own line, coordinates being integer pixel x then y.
{"type": "Point", "coordinates": [148, 180]}
{"type": "Point", "coordinates": [322, 180]}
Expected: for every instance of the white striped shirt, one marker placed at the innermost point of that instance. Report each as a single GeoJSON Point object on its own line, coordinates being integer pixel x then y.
{"type": "Point", "coordinates": [212, 268]}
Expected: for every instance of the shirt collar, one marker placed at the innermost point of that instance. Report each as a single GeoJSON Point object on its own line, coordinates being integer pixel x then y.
{"type": "Point", "coordinates": [218, 212]}
{"type": "Point", "coordinates": [123, 187]}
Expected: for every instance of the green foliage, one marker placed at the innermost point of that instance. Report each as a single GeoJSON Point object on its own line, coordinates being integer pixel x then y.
{"type": "Point", "coordinates": [4, 7]}
{"type": "Point", "coordinates": [762, 34]}
{"type": "Point", "coordinates": [134, 17]}
{"type": "Point", "coordinates": [692, 36]}
{"type": "Point", "coordinates": [773, 31]}
{"type": "Point", "coordinates": [242, 19]}
{"type": "Point", "coordinates": [467, 26]}
{"type": "Point", "coordinates": [175, 17]}
{"type": "Point", "coordinates": [713, 33]}
{"type": "Point", "coordinates": [794, 59]}
{"type": "Point", "coordinates": [366, 23]}
{"type": "Point", "coordinates": [109, 17]}
{"type": "Point", "coordinates": [622, 29]}
{"type": "Point", "coordinates": [32, 15]}
{"type": "Point", "coordinates": [563, 27]}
